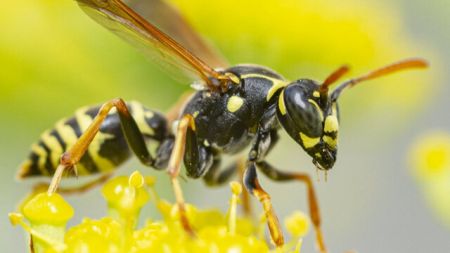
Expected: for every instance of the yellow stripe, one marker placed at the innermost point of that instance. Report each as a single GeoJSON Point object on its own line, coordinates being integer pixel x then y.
{"type": "Point", "coordinates": [140, 116]}
{"type": "Point", "coordinates": [309, 142]}
{"type": "Point", "coordinates": [24, 169]}
{"type": "Point", "coordinates": [55, 148]}
{"type": "Point", "coordinates": [330, 141]}
{"type": "Point", "coordinates": [281, 104]}
{"type": "Point", "coordinates": [276, 83]}
{"type": "Point", "coordinates": [42, 154]}
{"type": "Point", "coordinates": [331, 122]}
{"type": "Point", "coordinates": [84, 120]}
{"type": "Point", "coordinates": [69, 136]}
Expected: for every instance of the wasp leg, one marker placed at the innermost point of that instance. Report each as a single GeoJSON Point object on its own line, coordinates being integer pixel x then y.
{"type": "Point", "coordinates": [129, 127]}
{"type": "Point", "coordinates": [266, 137]}
{"type": "Point", "coordinates": [185, 124]}
{"type": "Point", "coordinates": [85, 187]}
{"type": "Point", "coordinates": [215, 176]}
{"type": "Point", "coordinates": [252, 184]}
{"type": "Point", "coordinates": [246, 201]}
{"type": "Point", "coordinates": [198, 159]}
{"type": "Point", "coordinates": [314, 210]}
{"type": "Point", "coordinates": [77, 189]}
{"type": "Point", "coordinates": [163, 153]}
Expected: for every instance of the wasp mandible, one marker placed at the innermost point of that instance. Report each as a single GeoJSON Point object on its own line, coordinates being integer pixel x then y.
{"type": "Point", "coordinates": [235, 108]}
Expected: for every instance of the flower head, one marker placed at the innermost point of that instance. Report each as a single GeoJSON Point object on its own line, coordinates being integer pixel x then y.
{"type": "Point", "coordinates": [215, 231]}
{"type": "Point", "coordinates": [430, 160]}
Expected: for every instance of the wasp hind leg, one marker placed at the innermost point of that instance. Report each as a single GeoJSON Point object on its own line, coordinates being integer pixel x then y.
{"type": "Point", "coordinates": [252, 184]}
{"type": "Point", "coordinates": [277, 175]}
{"type": "Point", "coordinates": [77, 189]}
{"type": "Point", "coordinates": [129, 126]}
{"type": "Point", "coordinates": [216, 176]}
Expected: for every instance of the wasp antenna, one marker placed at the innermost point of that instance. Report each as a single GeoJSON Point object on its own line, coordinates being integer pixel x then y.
{"type": "Point", "coordinates": [333, 77]}
{"type": "Point", "coordinates": [392, 68]}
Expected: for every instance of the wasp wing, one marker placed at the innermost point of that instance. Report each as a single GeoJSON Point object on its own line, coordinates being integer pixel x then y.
{"type": "Point", "coordinates": [167, 18]}
{"type": "Point", "coordinates": [130, 26]}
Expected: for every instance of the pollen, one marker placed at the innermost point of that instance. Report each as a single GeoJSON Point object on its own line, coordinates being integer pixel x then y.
{"type": "Point", "coordinates": [429, 159]}
{"type": "Point", "coordinates": [430, 155]}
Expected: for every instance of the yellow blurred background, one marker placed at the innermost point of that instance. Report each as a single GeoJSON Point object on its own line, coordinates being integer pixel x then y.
{"type": "Point", "coordinates": [54, 59]}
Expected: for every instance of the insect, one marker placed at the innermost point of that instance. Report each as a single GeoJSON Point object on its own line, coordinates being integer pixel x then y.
{"type": "Point", "coordinates": [237, 107]}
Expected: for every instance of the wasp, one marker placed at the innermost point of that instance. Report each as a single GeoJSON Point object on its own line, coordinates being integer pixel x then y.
{"type": "Point", "coordinates": [234, 108]}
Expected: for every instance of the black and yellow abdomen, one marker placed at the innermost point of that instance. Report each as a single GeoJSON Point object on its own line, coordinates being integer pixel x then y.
{"type": "Point", "coordinates": [108, 149]}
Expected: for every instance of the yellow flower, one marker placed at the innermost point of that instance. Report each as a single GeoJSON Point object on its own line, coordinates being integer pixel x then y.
{"type": "Point", "coordinates": [48, 215]}
{"type": "Point", "coordinates": [430, 160]}
{"type": "Point", "coordinates": [297, 224]}
{"type": "Point", "coordinates": [215, 231]}
{"type": "Point", "coordinates": [104, 235]}
{"type": "Point", "coordinates": [430, 156]}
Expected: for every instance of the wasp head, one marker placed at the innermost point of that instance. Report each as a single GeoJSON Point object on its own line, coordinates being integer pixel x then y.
{"type": "Point", "coordinates": [311, 120]}
{"type": "Point", "coordinates": [310, 114]}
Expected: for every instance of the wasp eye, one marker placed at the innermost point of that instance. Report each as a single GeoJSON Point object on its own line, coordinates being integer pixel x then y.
{"type": "Point", "coordinates": [301, 109]}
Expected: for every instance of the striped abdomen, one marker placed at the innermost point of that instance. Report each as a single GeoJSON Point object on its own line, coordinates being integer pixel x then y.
{"type": "Point", "coordinates": [108, 149]}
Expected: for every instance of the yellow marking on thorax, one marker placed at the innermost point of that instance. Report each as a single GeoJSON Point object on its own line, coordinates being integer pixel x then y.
{"type": "Point", "coordinates": [102, 163]}
{"type": "Point", "coordinates": [233, 78]}
{"type": "Point", "coordinates": [317, 107]}
{"type": "Point", "coordinates": [139, 116]}
{"type": "Point", "coordinates": [234, 103]}
{"type": "Point", "coordinates": [281, 104]}
{"type": "Point", "coordinates": [316, 94]}
{"type": "Point", "coordinates": [309, 142]}
{"type": "Point", "coordinates": [276, 83]}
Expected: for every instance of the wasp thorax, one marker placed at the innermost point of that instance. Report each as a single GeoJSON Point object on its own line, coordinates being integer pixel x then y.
{"type": "Point", "coordinates": [310, 120]}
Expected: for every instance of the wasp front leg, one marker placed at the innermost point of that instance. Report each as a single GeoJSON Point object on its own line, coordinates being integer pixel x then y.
{"type": "Point", "coordinates": [265, 141]}
{"type": "Point", "coordinates": [253, 186]}
{"type": "Point", "coordinates": [197, 158]}
{"type": "Point", "coordinates": [278, 175]}
{"type": "Point", "coordinates": [266, 137]}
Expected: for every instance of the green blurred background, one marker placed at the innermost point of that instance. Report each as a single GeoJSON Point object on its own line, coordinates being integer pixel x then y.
{"type": "Point", "coordinates": [54, 59]}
